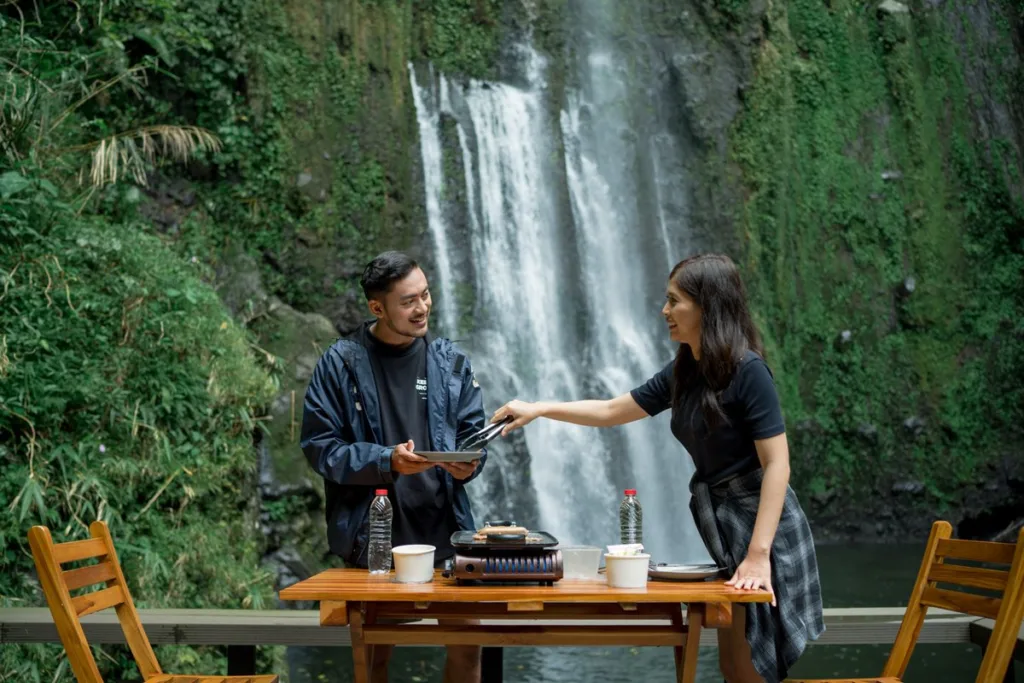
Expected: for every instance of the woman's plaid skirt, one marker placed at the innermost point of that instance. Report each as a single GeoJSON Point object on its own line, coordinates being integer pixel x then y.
{"type": "Point", "coordinates": [725, 513]}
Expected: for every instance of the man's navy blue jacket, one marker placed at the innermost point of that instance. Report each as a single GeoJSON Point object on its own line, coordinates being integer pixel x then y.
{"type": "Point", "coordinates": [342, 435]}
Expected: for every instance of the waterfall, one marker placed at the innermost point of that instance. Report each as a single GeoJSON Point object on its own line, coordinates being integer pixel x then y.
{"type": "Point", "coordinates": [568, 278]}
{"type": "Point", "coordinates": [433, 180]}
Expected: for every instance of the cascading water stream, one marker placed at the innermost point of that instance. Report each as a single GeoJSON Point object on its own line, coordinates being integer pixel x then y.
{"type": "Point", "coordinates": [563, 304]}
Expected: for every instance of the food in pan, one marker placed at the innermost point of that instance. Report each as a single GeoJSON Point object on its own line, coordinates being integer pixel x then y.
{"type": "Point", "coordinates": [482, 534]}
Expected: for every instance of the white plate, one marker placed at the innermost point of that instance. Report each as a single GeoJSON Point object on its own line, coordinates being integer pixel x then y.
{"type": "Point", "coordinates": [683, 572]}
{"type": "Point", "coordinates": [454, 456]}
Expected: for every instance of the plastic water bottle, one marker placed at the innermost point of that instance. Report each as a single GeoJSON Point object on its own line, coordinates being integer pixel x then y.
{"type": "Point", "coordinates": [380, 533]}
{"type": "Point", "coordinates": [631, 519]}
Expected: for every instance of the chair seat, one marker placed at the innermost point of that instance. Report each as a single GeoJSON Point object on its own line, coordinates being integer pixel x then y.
{"type": "Point", "coordinates": [840, 680]}
{"type": "Point", "coordinates": [178, 678]}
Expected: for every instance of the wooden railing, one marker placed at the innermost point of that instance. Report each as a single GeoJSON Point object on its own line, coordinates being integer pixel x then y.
{"type": "Point", "coordinates": [242, 631]}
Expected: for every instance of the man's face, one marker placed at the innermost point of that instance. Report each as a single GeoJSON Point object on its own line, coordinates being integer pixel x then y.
{"type": "Point", "coordinates": [406, 308]}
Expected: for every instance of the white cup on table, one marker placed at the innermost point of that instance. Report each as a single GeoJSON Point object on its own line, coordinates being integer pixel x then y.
{"type": "Point", "coordinates": [413, 563]}
{"type": "Point", "coordinates": [627, 571]}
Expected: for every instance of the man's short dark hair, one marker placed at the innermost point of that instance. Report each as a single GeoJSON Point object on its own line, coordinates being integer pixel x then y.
{"type": "Point", "coordinates": [383, 271]}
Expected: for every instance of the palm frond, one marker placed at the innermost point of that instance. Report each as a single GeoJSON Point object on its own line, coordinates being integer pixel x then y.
{"type": "Point", "coordinates": [132, 153]}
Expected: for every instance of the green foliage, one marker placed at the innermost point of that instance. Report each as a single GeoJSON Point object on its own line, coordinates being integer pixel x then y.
{"type": "Point", "coordinates": [310, 102]}
{"type": "Point", "coordinates": [129, 395]}
{"type": "Point", "coordinates": [43, 113]}
{"type": "Point", "coordinates": [461, 36]}
{"type": "Point", "coordinates": [863, 170]}
{"type": "Point", "coordinates": [126, 391]}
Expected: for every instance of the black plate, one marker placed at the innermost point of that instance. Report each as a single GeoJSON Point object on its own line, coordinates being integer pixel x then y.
{"type": "Point", "coordinates": [463, 540]}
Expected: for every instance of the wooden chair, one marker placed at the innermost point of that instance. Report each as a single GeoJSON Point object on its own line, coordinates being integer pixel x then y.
{"type": "Point", "coordinates": [67, 610]}
{"type": "Point", "coordinates": [1005, 602]}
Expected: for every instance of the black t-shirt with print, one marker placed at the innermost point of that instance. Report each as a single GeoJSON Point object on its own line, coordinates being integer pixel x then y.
{"type": "Point", "coordinates": [751, 405]}
{"type": "Point", "coordinates": [422, 513]}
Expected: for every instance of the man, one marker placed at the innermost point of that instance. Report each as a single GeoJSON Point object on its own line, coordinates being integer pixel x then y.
{"type": "Point", "coordinates": [374, 399]}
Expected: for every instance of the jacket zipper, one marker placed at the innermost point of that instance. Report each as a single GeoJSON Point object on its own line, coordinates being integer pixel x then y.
{"type": "Point", "coordinates": [360, 405]}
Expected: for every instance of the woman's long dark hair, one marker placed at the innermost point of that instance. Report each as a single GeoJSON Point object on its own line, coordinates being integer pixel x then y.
{"type": "Point", "coordinates": [726, 329]}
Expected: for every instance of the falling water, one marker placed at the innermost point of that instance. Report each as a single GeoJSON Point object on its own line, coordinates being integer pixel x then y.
{"type": "Point", "coordinates": [433, 180]}
{"type": "Point", "coordinates": [565, 304]}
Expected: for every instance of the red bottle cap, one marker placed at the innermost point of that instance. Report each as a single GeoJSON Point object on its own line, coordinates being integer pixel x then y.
{"type": "Point", "coordinates": [630, 492]}
{"type": "Point", "coordinates": [382, 492]}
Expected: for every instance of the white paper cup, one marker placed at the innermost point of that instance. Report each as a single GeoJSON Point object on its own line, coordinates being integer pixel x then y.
{"type": "Point", "coordinates": [414, 563]}
{"type": "Point", "coordinates": [627, 571]}
{"type": "Point", "coordinates": [580, 562]}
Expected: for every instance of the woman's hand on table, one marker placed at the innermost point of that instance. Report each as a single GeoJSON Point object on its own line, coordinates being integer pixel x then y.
{"type": "Point", "coordinates": [754, 573]}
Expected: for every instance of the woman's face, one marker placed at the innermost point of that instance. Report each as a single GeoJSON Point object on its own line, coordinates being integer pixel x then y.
{"type": "Point", "coordinates": [682, 315]}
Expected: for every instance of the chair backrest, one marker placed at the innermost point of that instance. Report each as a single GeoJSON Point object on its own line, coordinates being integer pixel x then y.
{"type": "Point", "coordinates": [67, 610]}
{"type": "Point", "coordinates": [996, 592]}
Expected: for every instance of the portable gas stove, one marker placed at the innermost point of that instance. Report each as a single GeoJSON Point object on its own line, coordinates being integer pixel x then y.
{"type": "Point", "coordinates": [505, 559]}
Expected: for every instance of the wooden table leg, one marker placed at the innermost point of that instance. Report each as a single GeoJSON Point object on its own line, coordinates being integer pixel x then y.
{"type": "Point", "coordinates": [492, 665]}
{"type": "Point", "coordinates": [677, 652]}
{"type": "Point", "coordinates": [370, 618]}
{"type": "Point", "coordinates": [686, 657]}
{"type": "Point", "coordinates": [361, 661]}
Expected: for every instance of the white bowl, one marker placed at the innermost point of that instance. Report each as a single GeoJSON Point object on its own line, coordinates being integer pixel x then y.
{"type": "Point", "coordinates": [627, 571]}
{"type": "Point", "coordinates": [414, 563]}
{"type": "Point", "coordinates": [580, 562]}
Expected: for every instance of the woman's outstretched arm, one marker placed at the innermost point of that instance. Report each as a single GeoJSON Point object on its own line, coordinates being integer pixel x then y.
{"type": "Point", "coordinates": [591, 413]}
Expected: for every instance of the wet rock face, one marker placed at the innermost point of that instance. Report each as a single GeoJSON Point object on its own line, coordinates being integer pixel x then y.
{"type": "Point", "coordinates": [990, 61]}
{"type": "Point", "coordinates": [348, 312]}
{"type": "Point", "coordinates": [900, 509]}
{"type": "Point", "coordinates": [166, 202]}
{"type": "Point", "coordinates": [291, 518]}
{"type": "Point", "coordinates": [291, 522]}
{"type": "Point", "coordinates": [704, 66]}
{"type": "Point", "coordinates": [240, 285]}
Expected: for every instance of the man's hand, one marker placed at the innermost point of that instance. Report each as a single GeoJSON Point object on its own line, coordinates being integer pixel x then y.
{"type": "Point", "coordinates": [404, 461]}
{"type": "Point", "coordinates": [461, 470]}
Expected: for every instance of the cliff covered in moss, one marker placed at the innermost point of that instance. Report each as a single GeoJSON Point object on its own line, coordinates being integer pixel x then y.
{"type": "Point", "coordinates": [880, 153]}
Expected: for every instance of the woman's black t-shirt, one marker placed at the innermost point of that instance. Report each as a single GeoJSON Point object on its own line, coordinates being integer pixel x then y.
{"type": "Point", "coordinates": [751, 405]}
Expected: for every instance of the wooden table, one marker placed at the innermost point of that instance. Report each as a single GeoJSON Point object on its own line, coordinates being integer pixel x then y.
{"type": "Point", "coordinates": [644, 616]}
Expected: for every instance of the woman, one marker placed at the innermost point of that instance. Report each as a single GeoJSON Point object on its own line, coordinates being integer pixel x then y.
{"type": "Point", "coordinates": [726, 412]}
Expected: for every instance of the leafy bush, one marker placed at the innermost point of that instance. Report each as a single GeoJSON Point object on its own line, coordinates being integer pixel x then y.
{"type": "Point", "coordinates": [128, 394]}
{"type": "Point", "coordinates": [126, 391]}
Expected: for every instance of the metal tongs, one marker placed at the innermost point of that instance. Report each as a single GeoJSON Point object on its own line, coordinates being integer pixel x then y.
{"type": "Point", "coordinates": [477, 441]}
